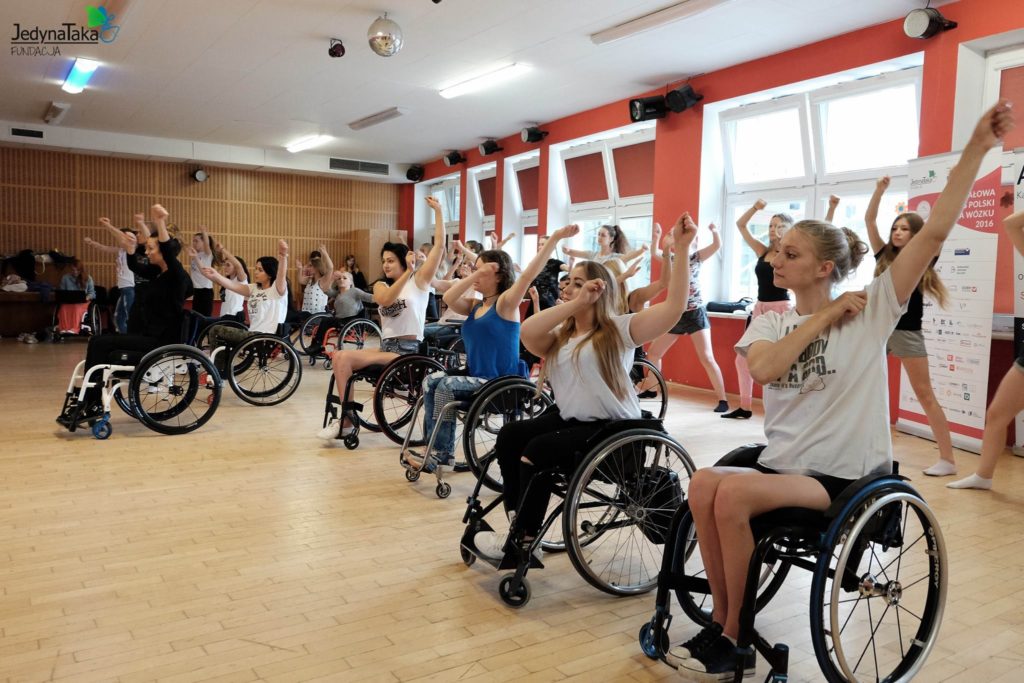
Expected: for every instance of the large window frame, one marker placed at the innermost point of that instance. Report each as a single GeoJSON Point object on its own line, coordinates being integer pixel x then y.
{"type": "Point", "coordinates": [996, 62]}
{"type": "Point", "coordinates": [446, 190]}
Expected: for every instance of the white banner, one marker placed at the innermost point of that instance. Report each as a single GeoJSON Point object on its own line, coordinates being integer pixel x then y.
{"type": "Point", "coordinates": [1018, 306]}
{"type": "Point", "coordinates": [959, 337]}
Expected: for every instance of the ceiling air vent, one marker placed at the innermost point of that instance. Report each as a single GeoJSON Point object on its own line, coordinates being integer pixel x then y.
{"type": "Point", "coordinates": [27, 133]}
{"type": "Point", "coordinates": [374, 167]}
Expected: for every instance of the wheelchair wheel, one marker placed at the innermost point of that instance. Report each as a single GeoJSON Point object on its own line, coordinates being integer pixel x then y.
{"type": "Point", "coordinates": [175, 389]}
{"type": "Point", "coordinates": [359, 335]}
{"type": "Point", "coordinates": [455, 354]}
{"type": "Point", "coordinates": [879, 588]}
{"type": "Point", "coordinates": [265, 370]}
{"type": "Point", "coordinates": [203, 342]}
{"type": "Point", "coordinates": [394, 397]}
{"type": "Point", "coordinates": [686, 560]}
{"type": "Point", "coordinates": [512, 400]}
{"type": "Point", "coordinates": [619, 506]}
{"type": "Point", "coordinates": [651, 389]}
{"type": "Point", "coordinates": [309, 329]}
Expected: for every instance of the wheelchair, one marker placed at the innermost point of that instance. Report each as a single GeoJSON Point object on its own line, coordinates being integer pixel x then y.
{"type": "Point", "coordinates": [615, 509]}
{"type": "Point", "coordinates": [494, 404]}
{"type": "Point", "coordinates": [354, 334]}
{"type": "Point", "coordinates": [172, 390]}
{"type": "Point", "coordinates": [392, 389]}
{"type": "Point", "coordinates": [651, 389]}
{"type": "Point", "coordinates": [878, 588]}
{"type": "Point", "coordinates": [262, 369]}
{"type": "Point", "coordinates": [86, 314]}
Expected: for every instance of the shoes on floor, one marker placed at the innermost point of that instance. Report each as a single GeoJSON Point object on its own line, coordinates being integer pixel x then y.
{"type": "Point", "coordinates": [334, 430]}
{"type": "Point", "coordinates": [695, 645]}
{"type": "Point", "coordinates": [738, 414]}
{"type": "Point", "coordinates": [717, 662]}
{"type": "Point", "coordinates": [723, 406]}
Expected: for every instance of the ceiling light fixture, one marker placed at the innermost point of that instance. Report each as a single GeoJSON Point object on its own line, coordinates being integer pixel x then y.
{"type": "Point", "coordinates": [677, 12]}
{"type": "Point", "coordinates": [488, 147]}
{"type": "Point", "coordinates": [647, 108]}
{"type": "Point", "coordinates": [533, 134]}
{"type": "Point", "coordinates": [483, 81]}
{"type": "Point", "coordinates": [379, 117]}
{"type": "Point", "coordinates": [79, 75]}
{"type": "Point", "coordinates": [452, 158]}
{"type": "Point", "coordinates": [307, 142]}
{"type": "Point", "coordinates": [55, 112]}
{"type": "Point", "coordinates": [925, 23]}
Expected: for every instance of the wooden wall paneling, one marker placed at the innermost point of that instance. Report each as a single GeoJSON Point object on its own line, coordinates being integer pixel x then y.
{"type": "Point", "coordinates": [115, 175]}
{"type": "Point", "coordinates": [37, 206]}
{"type": "Point", "coordinates": [35, 168]}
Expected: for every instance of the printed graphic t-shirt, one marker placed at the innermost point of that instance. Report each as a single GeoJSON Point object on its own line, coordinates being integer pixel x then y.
{"type": "Point", "coordinates": [264, 308]}
{"type": "Point", "coordinates": [406, 316]}
{"type": "Point", "coordinates": [829, 413]}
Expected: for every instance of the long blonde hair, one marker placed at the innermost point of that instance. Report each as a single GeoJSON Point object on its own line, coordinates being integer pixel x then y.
{"type": "Point", "coordinates": [930, 284]}
{"type": "Point", "coordinates": [604, 337]}
{"type": "Point", "coordinates": [616, 267]}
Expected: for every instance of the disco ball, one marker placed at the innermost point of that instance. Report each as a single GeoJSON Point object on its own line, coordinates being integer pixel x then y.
{"type": "Point", "coordinates": [385, 37]}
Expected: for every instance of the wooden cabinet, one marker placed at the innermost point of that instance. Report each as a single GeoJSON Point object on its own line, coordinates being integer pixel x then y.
{"type": "Point", "coordinates": [368, 244]}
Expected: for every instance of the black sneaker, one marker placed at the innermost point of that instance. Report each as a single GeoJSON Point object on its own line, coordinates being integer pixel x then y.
{"type": "Point", "coordinates": [695, 645]}
{"type": "Point", "coordinates": [723, 406]}
{"type": "Point", "coordinates": [739, 414]}
{"type": "Point", "coordinates": [718, 662]}
{"type": "Point", "coordinates": [648, 393]}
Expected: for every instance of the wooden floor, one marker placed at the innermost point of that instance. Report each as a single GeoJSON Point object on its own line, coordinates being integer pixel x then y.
{"type": "Point", "coordinates": [247, 551]}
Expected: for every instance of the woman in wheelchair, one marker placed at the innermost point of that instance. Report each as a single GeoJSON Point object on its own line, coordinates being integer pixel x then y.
{"type": "Point", "coordinates": [588, 348]}
{"type": "Point", "coordinates": [822, 365]}
{"type": "Point", "coordinates": [348, 305]}
{"type": "Point", "coordinates": [160, 312]}
{"type": "Point", "coordinates": [401, 297]}
{"type": "Point", "coordinates": [264, 293]}
{"type": "Point", "coordinates": [490, 333]}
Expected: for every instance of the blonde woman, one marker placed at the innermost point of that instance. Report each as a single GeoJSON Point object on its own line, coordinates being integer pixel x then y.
{"type": "Point", "coordinates": [587, 345]}
{"type": "Point", "coordinates": [907, 341]}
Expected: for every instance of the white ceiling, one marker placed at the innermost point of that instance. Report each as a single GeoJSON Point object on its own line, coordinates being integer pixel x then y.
{"type": "Point", "coordinates": [256, 72]}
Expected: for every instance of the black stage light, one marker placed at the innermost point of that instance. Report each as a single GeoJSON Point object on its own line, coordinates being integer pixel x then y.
{"type": "Point", "coordinates": [647, 108]}
{"type": "Point", "coordinates": [925, 23]}
{"type": "Point", "coordinates": [533, 134]}
{"type": "Point", "coordinates": [453, 158]}
{"type": "Point", "coordinates": [489, 147]}
{"type": "Point", "coordinates": [682, 98]}
{"type": "Point", "coordinates": [415, 173]}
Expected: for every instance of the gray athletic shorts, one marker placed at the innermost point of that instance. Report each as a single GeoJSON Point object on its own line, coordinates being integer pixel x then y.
{"type": "Point", "coordinates": [906, 344]}
{"type": "Point", "coordinates": [691, 321]}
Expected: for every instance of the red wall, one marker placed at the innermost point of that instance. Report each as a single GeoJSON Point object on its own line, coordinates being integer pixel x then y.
{"type": "Point", "coordinates": [677, 183]}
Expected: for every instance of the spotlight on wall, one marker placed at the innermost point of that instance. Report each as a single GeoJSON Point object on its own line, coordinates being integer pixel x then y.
{"type": "Point", "coordinates": [925, 23]}
{"type": "Point", "coordinates": [533, 134]}
{"type": "Point", "coordinates": [489, 147]}
{"type": "Point", "coordinates": [199, 175]}
{"type": "Point", "coordinates": [415, 173]}
{"type": "Point", "coordinates": [647, 108]}
{"type": "Point", "coordinates": [336, 49]}
{"type": "Point", "coordinates": [682, 98]}
{"type": "Point", "coordinates": [453, 158]}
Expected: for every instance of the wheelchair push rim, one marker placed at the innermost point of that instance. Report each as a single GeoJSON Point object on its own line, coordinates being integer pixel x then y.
{"type": "Point", "coordinates": [265, 370]}
{"type": "Point", "coordinates": [175, 390]}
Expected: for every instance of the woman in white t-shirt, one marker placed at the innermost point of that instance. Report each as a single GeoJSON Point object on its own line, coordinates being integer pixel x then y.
{"type": "Point", "coordinates": [611, 243]}
{"type": "Point", "coordinates": [823, 368]}
{"type": "Point", "coordinates": [263, 294]}
{"type": "Point", "coordinates": [401, 298]}
{"type": "Point", "coordinates": [587, 346]}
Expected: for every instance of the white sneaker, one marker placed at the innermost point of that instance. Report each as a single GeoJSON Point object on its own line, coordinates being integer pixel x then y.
{"type": "Point", "coordinates": [30, 339]}
{"type": "Point", "coordinates": [334, 431]}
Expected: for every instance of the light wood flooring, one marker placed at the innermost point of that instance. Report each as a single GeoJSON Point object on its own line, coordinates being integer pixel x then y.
{"type": "Point", "coordinates": [248, 551]}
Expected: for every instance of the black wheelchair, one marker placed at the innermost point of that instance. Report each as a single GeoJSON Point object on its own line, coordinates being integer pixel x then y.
{"type": "Point", "coordinates": [615, 508]}
{"type": "Point", "coordinates": [878, 589]}
{"type": "Point", "coordinates": [263, 369]}
{"type": "Point", "coordinates": [354, 334]}
{"type": "Point", "coordinates": [491, 406]}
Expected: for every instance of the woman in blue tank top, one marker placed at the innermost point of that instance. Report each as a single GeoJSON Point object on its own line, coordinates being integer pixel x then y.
{"type": "Point", "coordinates": [490, 334]}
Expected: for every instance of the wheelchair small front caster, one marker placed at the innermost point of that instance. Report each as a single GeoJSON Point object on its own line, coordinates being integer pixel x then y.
{"type": "Point", "coordinates": [443, 490]}
{"type": "Point", "coordinates": [468, 558]}
{"type": "Point", "coordinates": [351, 442]}
{"type": "Point", "coordinates": [102, 429]}
{"type": "Point", "coordinates": [517, 599]}
{"type": "Point", "coordinates": [328, 364]}
{"type": "Point", "coordinates": [412, 475]}
{"type": "Point", "coordinates": [647, 644]}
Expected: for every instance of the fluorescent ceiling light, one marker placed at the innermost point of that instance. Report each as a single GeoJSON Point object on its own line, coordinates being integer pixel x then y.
{"type": "Point", "coordinates": [307, 142]}
{"type": "Point", "coordinates": [379, 117]}
{"type": "Point", "coordinates": [484, 80]}
{"type": "Point", "coordinates": [79, 75]}
{"type": "Point", "coordinates": [676, 12]}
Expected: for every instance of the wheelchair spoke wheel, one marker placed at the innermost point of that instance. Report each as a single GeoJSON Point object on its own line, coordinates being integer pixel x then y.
{"type": "Point", "coordinates": [359, 335]}
{"type": "Point", "coordinates": [504, 402]}
{"type": "Point", "coordinates": [265, 370]}
{"type": "Point", "coordinates": [310, 329]}
{"type": "Point", "coordinates": [175, 389]}
{"type": "Point", "coordinates": [879, 590]}
{"type": "Point", "coordinates": [397, 390]}
{"type": "Point", "coordinates": [619, 506]}
{"type": "Point", "coordinates": [650, 387]}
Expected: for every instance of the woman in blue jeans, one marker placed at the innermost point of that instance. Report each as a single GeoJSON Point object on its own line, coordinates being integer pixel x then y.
{"type": "Point", "coordinates": [490, 333]}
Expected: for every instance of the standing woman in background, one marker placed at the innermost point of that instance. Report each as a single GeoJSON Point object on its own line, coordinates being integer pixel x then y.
{"type": "Point", "coordinates": [125, 277]}
{"type": "Point", "coordinates": [358, 279]}
{"type": "Point", "coordinates": [769, 297]}
{"type": "Point", "coordinates": [907, 340]}
{"type": "Point", "coordinates": [611, 243]}
{"type": "Point", "coordinates": [202, 286]}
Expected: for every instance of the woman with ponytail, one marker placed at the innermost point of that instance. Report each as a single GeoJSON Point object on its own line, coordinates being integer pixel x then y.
{"type": "Point", "coordinates": [907, 340]}
{"type": "Point", "coordinates": [611, 243]}
{"type": "Point", "coordinates": [825, 381]}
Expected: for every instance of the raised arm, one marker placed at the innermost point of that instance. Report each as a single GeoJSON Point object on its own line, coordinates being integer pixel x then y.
{"type": "Point", "coordinates": [833, 204]}
{"type": "Point", "coordinates": [327, 260]}
{"type": "Point", "coordinates": [236, 265]}
{"type": "Point", "coordinates": [504, 240]}
{"type": "Point", "coordinates": [384, 294]}
{"type": "Point", "coordinates": [1014, 227]}
{"type": "Point", "coordinates": [871, 215]}
{"type": "Point", "coordinates": [142, 226]}
{"type": "Point", "coordinates": [281, 281]}
{"type": "Point", "coordinates": [120, 237]}
{"type": "Point", "coordinates": [651, 323]}
{"type": "Point", "coordinates": [101, 247]}
{"type": "Point", "coordinates": [159, 215]}
{"type": "Point", "coordinates": [641, 295]}
{"type": "Point", "coordinates": [508, 302]}
{"type": "Point", "coordinates": [914, 258]}
{"type": "Point", "coordinates": [453, 297]}
{"type": "Point", "coordinates": [759, 247]}
{"type": "Point", "coordinates": [579, 253]}
{"type": "Point", "coordinates": [231, 285]}
{"type": "Point", "coordinates": [635, 253]}
{"type": "Point", "coordinates": [204, 237]}
{"type": "Point", "coordinates": [716, 243]}
{"type": "Point", "coordinates": [428, 270]}
{"type": "Point", "coordinates": [538, 331]}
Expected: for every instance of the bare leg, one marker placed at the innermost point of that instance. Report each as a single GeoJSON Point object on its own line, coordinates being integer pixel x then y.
{"type": "Point", "coordinates": [706, 356]}
{"type": "Point", "coordinates": [659, 347]}
{"type": "Point", "coordinates": [346, 363]}
{"type": "Point", "coordinates": [921, 382]}
{"type": "Point", "coordinates": [1008, 401]}
{"type": "Point", "coordinates": [745, 381]}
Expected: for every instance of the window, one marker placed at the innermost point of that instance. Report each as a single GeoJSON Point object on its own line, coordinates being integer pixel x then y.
{"type": "Point", "coordinates": [447, 192]}
{"type": "Point", "coordinates": [1005, 79]}
{"type": "Point", "coordinates": [858, 131]}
